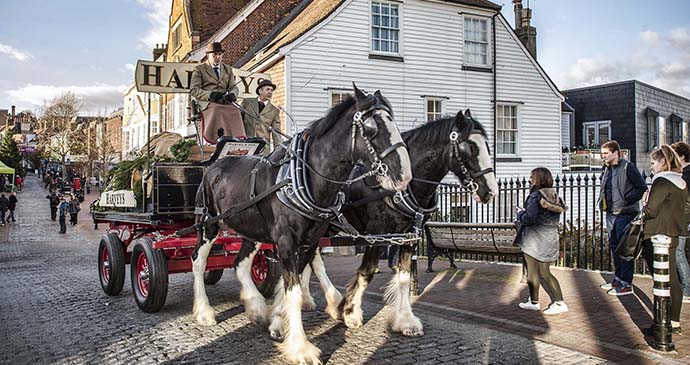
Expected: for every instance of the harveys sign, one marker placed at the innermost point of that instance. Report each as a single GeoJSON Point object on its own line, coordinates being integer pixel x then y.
{"type": "Point", "coordinates": [118, 199]}
{"type": "Point", "coordinates": [175, 77]}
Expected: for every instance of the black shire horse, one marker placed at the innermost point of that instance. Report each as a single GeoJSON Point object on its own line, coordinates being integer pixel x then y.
{"type": "Point", "coordinates": [457, 144]}
{"type": "Point", "coordinates": [360, 128]}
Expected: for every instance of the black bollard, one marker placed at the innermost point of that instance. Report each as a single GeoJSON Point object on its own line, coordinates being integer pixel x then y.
{"type": "Point", "coordinates": [662, 294]}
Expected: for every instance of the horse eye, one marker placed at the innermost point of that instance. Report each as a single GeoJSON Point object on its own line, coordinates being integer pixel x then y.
{"type": "Point", "coordinates": [370, 128]}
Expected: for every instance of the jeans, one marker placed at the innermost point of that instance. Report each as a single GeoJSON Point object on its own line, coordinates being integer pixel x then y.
{"type": "Point", "coordinates": [683, 266]}
{"type": "Point", "coordinates": [11, 215]}
{"type": "Point", "coordinates": [615, 225]}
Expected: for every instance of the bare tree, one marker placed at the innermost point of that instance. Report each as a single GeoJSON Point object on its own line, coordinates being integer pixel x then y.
{"type": "Point", "coordinates": [62, 135]}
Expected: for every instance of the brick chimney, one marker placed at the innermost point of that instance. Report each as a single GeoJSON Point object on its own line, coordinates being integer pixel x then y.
{"type": "Point", "coordinates": [159, 50]}
{"type": "Point", "coordinates": [11, 121]}
{"type": "Point", "coordinates": [524, 30]}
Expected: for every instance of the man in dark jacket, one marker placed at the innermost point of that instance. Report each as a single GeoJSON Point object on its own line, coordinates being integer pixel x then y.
{"type": "Point", "coordinates": [54, 202]}
{"type": "Point", "coordinates": [3, 207]}
{"type": "Point", "coordinates": [12, 205]}
{"type": "Point", "coordinates": [63, 208]}
{"type": "Point", "coordinates": [622, 187]}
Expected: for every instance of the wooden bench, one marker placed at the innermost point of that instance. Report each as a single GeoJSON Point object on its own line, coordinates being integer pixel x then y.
{"type": "Point", "coordinates": [478, 238]}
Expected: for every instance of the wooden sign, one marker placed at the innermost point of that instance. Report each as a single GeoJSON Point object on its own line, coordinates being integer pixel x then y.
{"type": "Point", "coordinates": [175, 77]}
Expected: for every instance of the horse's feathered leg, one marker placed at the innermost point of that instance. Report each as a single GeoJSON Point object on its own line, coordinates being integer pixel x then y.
{"type": "Point", "coordinates": [275, 327]}
{"type": "Point", "coordinates": [254, 302]}
{"type": "Point", "coordinates": [295, 347]}
{"type": "Point", "coordinates": [202, 311]}
{"type": "Point", "coordinates": [398, 296]}
{"type": "Point", "coordinates": [351, 306]}
{"type": "Point", "coordinates": [333, 296]}
{"type": "Point", "coordinates": [308, 303]}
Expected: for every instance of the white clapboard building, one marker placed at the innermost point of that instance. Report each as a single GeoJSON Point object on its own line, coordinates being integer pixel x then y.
{"type": "Point", "coordinates": [429, 58]}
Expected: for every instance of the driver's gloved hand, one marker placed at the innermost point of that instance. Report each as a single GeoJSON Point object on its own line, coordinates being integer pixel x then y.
{"type": "Point", "coordinates": [215, 96]}
{"type": "Point", "coordinates": [230, 97]}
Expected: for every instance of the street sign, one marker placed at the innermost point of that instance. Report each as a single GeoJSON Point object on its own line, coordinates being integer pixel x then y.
{"type": "Point", "coordinates": [175, 77]}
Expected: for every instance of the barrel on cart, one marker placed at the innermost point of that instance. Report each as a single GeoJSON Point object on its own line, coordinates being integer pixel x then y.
{"type": "Point", "coordinates": [142, 234]}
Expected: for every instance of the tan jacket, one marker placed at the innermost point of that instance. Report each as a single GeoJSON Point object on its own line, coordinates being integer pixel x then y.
{"type": "Point", "coordinates": [269, 116]}
{"type": "Point", "coordinates": [205, 81]}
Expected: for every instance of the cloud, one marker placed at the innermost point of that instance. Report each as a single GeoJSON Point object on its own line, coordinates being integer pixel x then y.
{"type": "Point", "coordinates": [95, 98]}
{"type": "Point", "coordinates": [158, 13]}
{"type": "Point", "coordinates": [15, 53]}
{"type": "Point", "coordinates": [649, 37]}
{"type": "Point", "coordinates": [680, 38]}
{"type": "Point", "coordinates": [130, 67]}
{"type": "Point", "coordinates": [669, 70]}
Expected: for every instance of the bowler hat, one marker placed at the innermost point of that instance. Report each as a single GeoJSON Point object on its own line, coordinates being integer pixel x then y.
{"type": "Point", "coordinates": [214, 47]}
{"type": "Point", "coordinates": [265, 83]}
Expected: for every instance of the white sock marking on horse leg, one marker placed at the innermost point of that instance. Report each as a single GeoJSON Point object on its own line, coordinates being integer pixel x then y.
{"type": "Point", "coordinates": [254, 302]}
{"type": "Point", "coordinates": [296, 348]}
{"type": "Point", "coordinates": [308, 303]}
{"type": "Point", "coordinates": [276, 318]}
{"type": "Point", "coordinates": [202, 311]}
{"type": "Point", "coordinates": [333, 296]}
{"type": "Point", "coordinates": [355, 318]}
{"type": "Point", "coordinates": [398, 297]}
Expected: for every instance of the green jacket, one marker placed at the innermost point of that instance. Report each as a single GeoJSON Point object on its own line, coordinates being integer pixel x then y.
{"type": "Point", "coordinates": [665, 208]}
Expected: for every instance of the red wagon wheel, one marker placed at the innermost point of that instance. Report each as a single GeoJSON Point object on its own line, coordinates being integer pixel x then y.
{"type": "Point", "coordinates": [111, 264]}
{"type": "Point", "coordinates": [149, 273]}
{"type": "Point", "coordinates": [265, 272]}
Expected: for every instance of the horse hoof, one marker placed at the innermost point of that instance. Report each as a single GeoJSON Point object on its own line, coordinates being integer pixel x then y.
{"type": "Point", "coordinates": [275, 335]}
{"type": "Point", "coordinates": [308, 305]}
{"type": "Point", "coordinates": [333, 312]}
{"type": "Point", "coordinates": [206, 319]}
{"type": "Point", "coordinates": [353, 319]}
{"type": "Point", "coordinates": [301, 352]}
{"type": "Point", "coordinates": [412, 332]}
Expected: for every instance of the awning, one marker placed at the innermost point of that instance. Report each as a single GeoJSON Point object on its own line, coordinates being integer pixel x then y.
{"type": "Point", "coordinates": [5, 170]}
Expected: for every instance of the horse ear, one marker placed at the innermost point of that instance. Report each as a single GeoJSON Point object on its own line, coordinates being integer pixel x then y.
{"type": "Point", "coordinates": [377, 93]}
{"type": "Point", "coordinates": [464, 123]}
{"type": "Point", "coordinates": [468, 114]}
{"type": "Point", "coordinates": [359, 95]}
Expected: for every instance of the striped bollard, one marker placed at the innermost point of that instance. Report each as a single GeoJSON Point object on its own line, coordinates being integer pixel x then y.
{"type": "Point", "coordinates": [662, 294]}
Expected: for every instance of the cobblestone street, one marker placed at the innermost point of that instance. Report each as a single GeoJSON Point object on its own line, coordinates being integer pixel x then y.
{"type": "Point", "coordinates": [52, 310]}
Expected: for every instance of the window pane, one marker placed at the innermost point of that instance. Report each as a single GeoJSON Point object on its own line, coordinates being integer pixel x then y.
{"type": "Point", "coordinates": [603, 134]}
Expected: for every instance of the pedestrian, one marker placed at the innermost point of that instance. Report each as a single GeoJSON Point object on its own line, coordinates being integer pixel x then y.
{"type": "Point", "coordinates": [683, 151]}
{"type": "Point", "coordinates": [11, 206]}
{"type": "Point", "coordinates": [63, 208]}
{"type": "Point", "coordinates": [664, 213]}
{"type": "Point", "coordinates": [54, 200]}
{"type": "Point", "coordinates": [539, 241]}
{"type": "Point", "coordinates": [622, 189]}
{"type": "Point", "coordinates": [73, 210]}
{"type": "Point", "coordinates": [214, 88]}
{"type": "Point", "coordinates": [261, 117]}
{"type": "Point", "coordinates": [19, 181]}
{"type": "Point", "coordinates": [4, 202]}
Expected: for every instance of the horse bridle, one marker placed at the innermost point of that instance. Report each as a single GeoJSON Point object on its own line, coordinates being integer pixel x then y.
{"type": "Point", "coordinates": [463, 152]}
{"type": "Point", "coordinates": [367, 130]}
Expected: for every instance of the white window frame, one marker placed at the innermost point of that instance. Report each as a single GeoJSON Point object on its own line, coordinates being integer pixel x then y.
{"type": "Point", "coordinates": [440, 112]}
{"type": "Point", "coordinates": [516, 130]}
{"type": "Point", "coordinates": [465, 59]}
{"type": "Point", "coordinates": [597, 125]}
{"type": "Point", "coordinates": [176, 35]}
{"type": "Point", "coordinates": [342, 92]}
{"type": "Point", "coordinates": [399, 29]}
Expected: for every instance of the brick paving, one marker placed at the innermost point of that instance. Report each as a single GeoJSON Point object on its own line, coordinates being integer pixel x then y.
{"type": "Point", "coordinates": [52, 310]}
{"type": "Point", "coordinates": [488, 293]}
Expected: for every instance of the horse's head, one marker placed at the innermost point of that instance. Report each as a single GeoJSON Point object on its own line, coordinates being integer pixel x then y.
{"type": "Point", "coordinates": [471, 157]}
{"type": "Point", "coordinates": [377, 141]}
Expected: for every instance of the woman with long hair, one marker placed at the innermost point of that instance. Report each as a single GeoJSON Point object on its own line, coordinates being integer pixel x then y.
{"type": "Point", "coordinates": [538, 240]}
{"type": "Point", "coordinates": [664, 213]}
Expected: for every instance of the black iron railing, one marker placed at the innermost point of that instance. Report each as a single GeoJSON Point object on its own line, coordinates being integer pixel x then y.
{"type": "Point", "coordinates": [583, 238]}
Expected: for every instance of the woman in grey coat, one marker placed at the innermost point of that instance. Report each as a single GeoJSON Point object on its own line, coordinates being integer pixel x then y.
{"type": "Point", "coordinates": [538, 239]}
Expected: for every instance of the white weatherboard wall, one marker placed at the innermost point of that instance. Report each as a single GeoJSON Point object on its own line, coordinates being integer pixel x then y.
{"type": "Point", "coordinates": [337, 53]}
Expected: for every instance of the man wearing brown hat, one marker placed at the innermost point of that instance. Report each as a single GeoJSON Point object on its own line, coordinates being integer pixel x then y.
{"type": "Point", "coordinates": [260, 113]}
{"type": "Point", "coordinates": [214, 88]}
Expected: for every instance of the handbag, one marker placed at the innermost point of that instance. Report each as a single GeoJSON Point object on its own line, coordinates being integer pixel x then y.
{"type": "Point", "coordinates": [630, 245]}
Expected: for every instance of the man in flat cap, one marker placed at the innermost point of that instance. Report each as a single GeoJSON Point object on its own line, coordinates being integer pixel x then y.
{"type": "Point", "coordinates": [214, 88]}
{"type": "Point", "coordinates": [260, 114]}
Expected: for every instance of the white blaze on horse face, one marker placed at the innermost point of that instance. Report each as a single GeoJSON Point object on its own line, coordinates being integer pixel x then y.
{"type": "Point", "coordinates": [400, 182]}
{"type": "Point", "coordinates": [484, 160]}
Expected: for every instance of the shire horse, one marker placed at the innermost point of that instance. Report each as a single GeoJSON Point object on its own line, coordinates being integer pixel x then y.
{"type": "Point", "coordinates": [373, 137]}
{"type": "Point", "coordinates": [457, 144]}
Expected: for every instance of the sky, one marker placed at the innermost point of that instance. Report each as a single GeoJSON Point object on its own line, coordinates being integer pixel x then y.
{"type": "Point", "coordinates": [90, 47]}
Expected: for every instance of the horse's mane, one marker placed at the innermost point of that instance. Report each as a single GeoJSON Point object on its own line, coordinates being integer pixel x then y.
{"type": "Point", "coordinates": [437, 131]}
{"type": "Point", "coordinates": [320, 126]}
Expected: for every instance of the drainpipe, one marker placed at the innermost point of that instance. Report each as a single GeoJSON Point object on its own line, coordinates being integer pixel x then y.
{"type": "Point", "coordinates": [493, 53]}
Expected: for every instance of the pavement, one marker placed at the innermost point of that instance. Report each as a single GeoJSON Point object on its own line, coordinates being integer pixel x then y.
{"type": "Point", "coordinates": [52, 310]}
